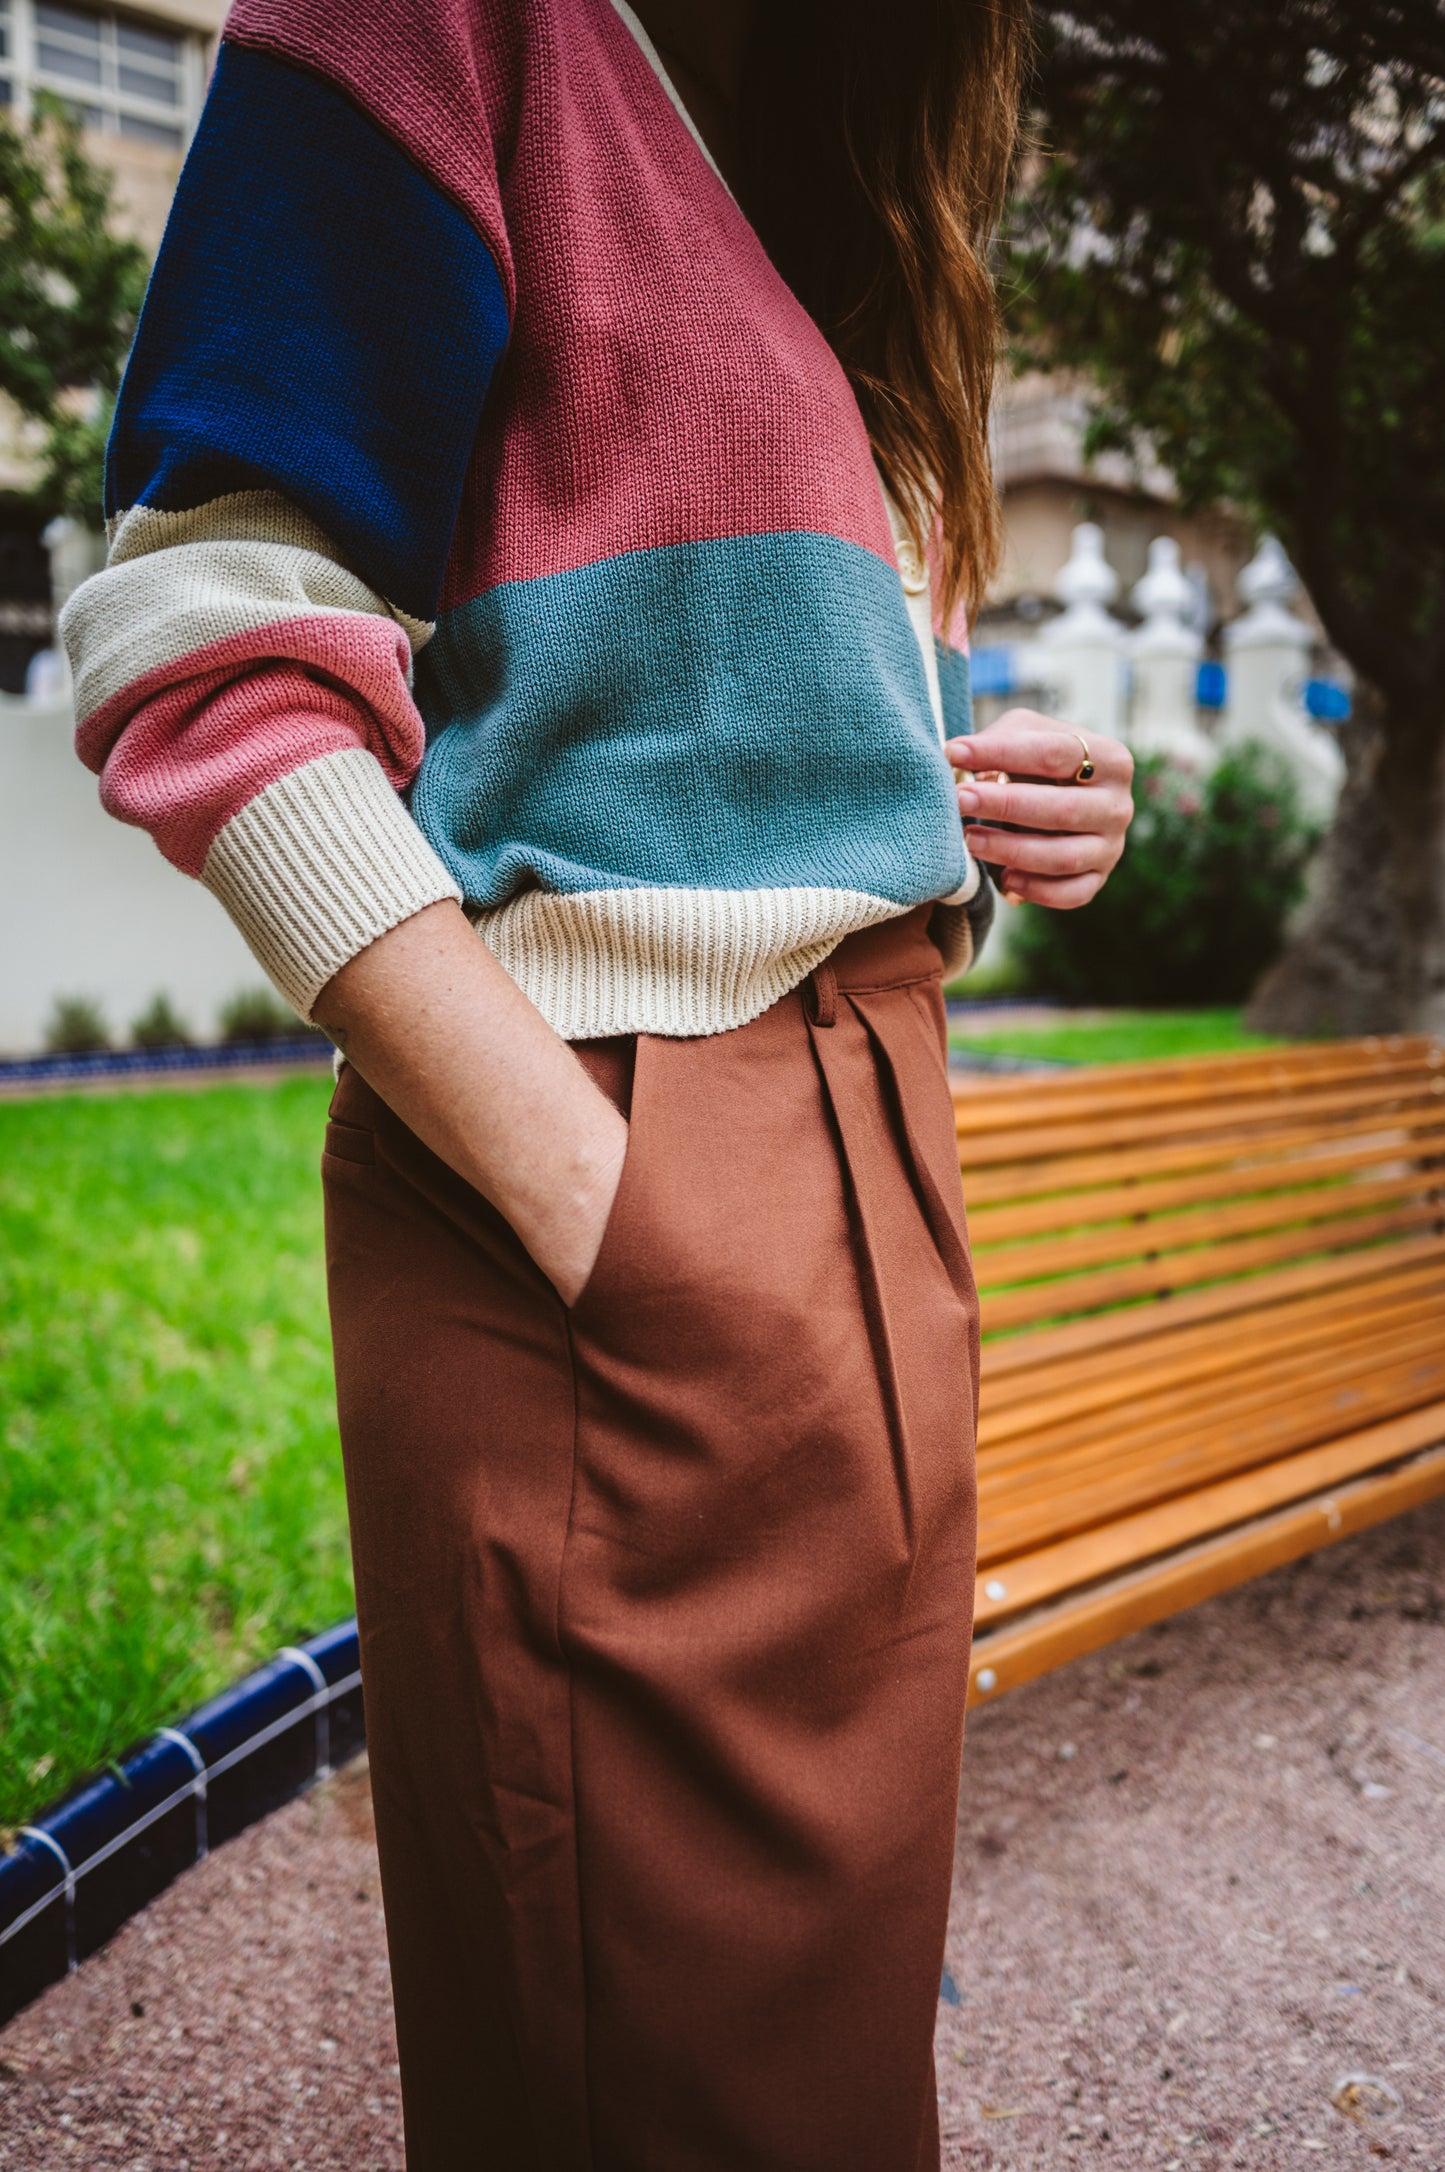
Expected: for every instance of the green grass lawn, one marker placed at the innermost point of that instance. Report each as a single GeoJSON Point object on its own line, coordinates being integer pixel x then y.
{"type": "Point", "coordinates": [171, 1502]}
{"type": "Point", "coordinates": [1112, 1037]}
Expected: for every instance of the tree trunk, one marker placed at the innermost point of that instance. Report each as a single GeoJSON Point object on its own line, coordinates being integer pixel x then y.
{"type": "Point", "coordinates": [1368, 952]}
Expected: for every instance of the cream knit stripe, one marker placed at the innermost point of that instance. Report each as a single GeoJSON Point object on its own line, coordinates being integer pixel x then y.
{"type": "Point", "coordinates": [952, 929]}
{"type": "Point", "coordinates": [972, 882]}
{"type": "Point", "coordinates": [319, 865]}
{"type": "Point", "coordinates": [243, 516]}
{"type": "Point", "coordinates": [672, 962]}
{"type": "Point", "coordinates": [138, 618]}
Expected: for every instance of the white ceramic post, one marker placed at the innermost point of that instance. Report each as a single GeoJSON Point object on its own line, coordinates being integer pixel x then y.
{"type": "Point", "coordinates": [1166, 649]}
{"type": "Point", "coordinates": [1082, 651]}
{"type": "Point", "coordinates": [1268, 648]}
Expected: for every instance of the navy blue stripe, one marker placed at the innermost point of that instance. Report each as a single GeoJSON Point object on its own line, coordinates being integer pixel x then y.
{"type": "Point", "coordinates": [729, 715]}
{"type": "Point", "coordinates": [321, 322]}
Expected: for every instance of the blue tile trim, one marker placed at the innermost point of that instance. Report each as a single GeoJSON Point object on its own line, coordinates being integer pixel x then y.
{"type": "Point", "coordinates": [107, 1848]}
{"type": "Point", "coordinates": [140, 1062]}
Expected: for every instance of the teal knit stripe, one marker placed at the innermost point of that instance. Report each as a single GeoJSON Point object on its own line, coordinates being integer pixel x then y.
{"type": "Point", "coordinates": [738, 714]}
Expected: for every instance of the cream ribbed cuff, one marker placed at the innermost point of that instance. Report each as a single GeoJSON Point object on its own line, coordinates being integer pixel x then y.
{"type": "Point", "coordinates": [319, 865]}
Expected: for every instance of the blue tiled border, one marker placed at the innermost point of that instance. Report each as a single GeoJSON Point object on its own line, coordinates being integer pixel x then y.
{"type": "Point", "coordinates": [103, 1063]}
{"type": "Point", "coordinates": [90, 1861]}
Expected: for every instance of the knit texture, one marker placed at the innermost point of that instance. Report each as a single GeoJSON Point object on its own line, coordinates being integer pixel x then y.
{"type": "Point", "coordinates": [319, 865]}
{"type": "Point", "coordinates": [675, 957]}
{"type": "Point", "coordinates": [473, 452]}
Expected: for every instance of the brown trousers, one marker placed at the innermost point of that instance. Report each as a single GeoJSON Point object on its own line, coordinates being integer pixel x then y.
{"type": "Point", "coordinates": [665, 1601]}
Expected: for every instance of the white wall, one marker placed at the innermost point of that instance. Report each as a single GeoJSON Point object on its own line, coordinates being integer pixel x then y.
{"type": "Point", "coordinates": [87, 906]}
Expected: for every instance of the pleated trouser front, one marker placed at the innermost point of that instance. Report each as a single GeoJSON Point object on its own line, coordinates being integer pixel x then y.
{"type": "Point", "coordinates": [665, 1601]}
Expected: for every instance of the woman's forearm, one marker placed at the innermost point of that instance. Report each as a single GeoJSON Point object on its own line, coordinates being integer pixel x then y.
{"type": "Point", "coordinates": [446, 1037]}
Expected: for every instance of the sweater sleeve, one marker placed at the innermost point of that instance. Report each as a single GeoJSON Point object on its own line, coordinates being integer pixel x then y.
{"type": "Point", "coordinates": [283, 479]}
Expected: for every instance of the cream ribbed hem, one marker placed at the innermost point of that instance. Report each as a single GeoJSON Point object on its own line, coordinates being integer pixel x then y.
{"type": "Point", "coordinates": [952, 929]}
{"type": "Point", "coordinates": [969, 888]}
{"type": "Point", "coordinates": [961, 922]}
{"type": "Point", "coordinates": [669, 961]}
{"type": "Point", "coordinates": [319, 865]}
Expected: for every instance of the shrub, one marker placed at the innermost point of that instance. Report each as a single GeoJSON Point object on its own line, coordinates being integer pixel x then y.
{"type": "Point", "coordinates": [1196, 909]}
{"type": "Point", "coordinates": [76, 1027]}
{"type": "Point", "coordinates": [159, 1026]}
{"type": "Point", "coordinates": [258, 1015]}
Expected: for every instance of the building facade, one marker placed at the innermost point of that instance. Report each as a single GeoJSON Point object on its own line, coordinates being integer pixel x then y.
{"type": "Point", "coordinates": [136, 79]}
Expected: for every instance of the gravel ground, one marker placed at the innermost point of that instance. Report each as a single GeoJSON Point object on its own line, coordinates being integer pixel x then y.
{"type": "Point", "coordinates": [1201, 1882]}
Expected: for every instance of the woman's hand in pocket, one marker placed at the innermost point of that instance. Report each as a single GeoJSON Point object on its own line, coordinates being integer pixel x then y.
{"type": "Point", "coordinates": [449, 1041]}
{"type": "Point", "coordinates": [1064, 834]}
{"type": "Point", "coordinates": [567, 1235]}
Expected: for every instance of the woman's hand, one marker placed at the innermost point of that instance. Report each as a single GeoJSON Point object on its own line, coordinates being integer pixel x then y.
{"type": "Point", "coordinates": [449, 1041]}
{"type": "Point", "coordinates": [1064, 838]}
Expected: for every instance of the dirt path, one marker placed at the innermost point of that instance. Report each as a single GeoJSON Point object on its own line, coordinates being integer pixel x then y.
{"type": "Point", "coordinates": [1201, 1880]}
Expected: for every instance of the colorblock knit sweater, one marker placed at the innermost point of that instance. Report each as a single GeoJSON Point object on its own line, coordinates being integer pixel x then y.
{"type": "Point", "coordinates": [489, 521]}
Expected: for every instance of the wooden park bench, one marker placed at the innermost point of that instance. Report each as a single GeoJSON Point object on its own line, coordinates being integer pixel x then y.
{"type": "Point", "coordinates": [1213, 1303]}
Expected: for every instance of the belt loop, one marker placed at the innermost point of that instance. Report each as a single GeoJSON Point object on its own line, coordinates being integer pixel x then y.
{"type": "Point", "coordinates": [823, 995]}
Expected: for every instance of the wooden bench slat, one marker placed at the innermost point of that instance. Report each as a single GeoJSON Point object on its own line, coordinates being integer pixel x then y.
{"type": "Point", "coordinates": [1192, 1077]}
{"type": "Point", "coordinates": [1027, 1580]}
{"type": "Point", "coordinates": [1047, 1427]}
{"type": "Point", "coordinates": [1179, 1083]}
{"type": "Point", "coordinates": [1051, 1180]}
{"type": "Point", "coordinates": [1107, 1380]}
{"type": "Point", "coordinates": [1282, 1170]}
{"type": "Point", "coordinates": [1209, 1289]}
{"type": "Point", "coordinates": [1210, 1122]}
{"type": "Point", "coordinates": [1088, 1620]}
{"type": "Point", "coordinates": [1182, 1270]}
{"type": "Point", "coordinates": [1370, 1048]}
{"type": "Point", "coordinates": [1090, 1488]}
{"type": "Point", "coordinates": [1175, 1425]}
{"type": "Point", "coordinates": [1096, 1495]}
{"type": "Point", "coordinates": [1187, 1105]}
{"type": "Point", "coordinates": [1151, 1236]}
{"type": "Point", "coordinates": [1024, 1354]}
{"type": "Point", "coordinates": [1180, 1436]}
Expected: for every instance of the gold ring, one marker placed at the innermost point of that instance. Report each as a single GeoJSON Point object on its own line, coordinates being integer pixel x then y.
{"type": "Point", "coordinates": [1085, 769]}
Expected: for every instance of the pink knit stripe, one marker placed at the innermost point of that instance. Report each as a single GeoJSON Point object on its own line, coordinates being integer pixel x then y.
{"type": "Point", "coordinates": [183, 749]}
{"type": "Point", "coordinates": [663, 384]}
{"type": "Point", "coordinates": [675, 331]}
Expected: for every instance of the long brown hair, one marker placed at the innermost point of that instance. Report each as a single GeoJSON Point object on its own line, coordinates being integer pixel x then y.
{"type": "Point", "coordinates": [877, 137]}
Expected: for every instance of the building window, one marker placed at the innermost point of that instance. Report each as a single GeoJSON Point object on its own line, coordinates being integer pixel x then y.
{"type": "Point", "coordinates": [116, 72]}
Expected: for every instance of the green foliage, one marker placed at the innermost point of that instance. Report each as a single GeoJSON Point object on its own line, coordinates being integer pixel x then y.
{"type": "Point", "coordinates": [1237, 231]}
{"type": "Point", "coordinates": [74, 479]}
{"type": "Point", "coordinates": [171, 1499]}
{"type": "Point", "coordinates": [1196, 909]}
{"type": "Point", "coordinates": [76, 1027]}
{"type": "Point", "coordinates": [160, 1026]}
{"type": "Point", "coordinates": [258, 1015]}
{"type": "Point", "coordinates": [70, 293]}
